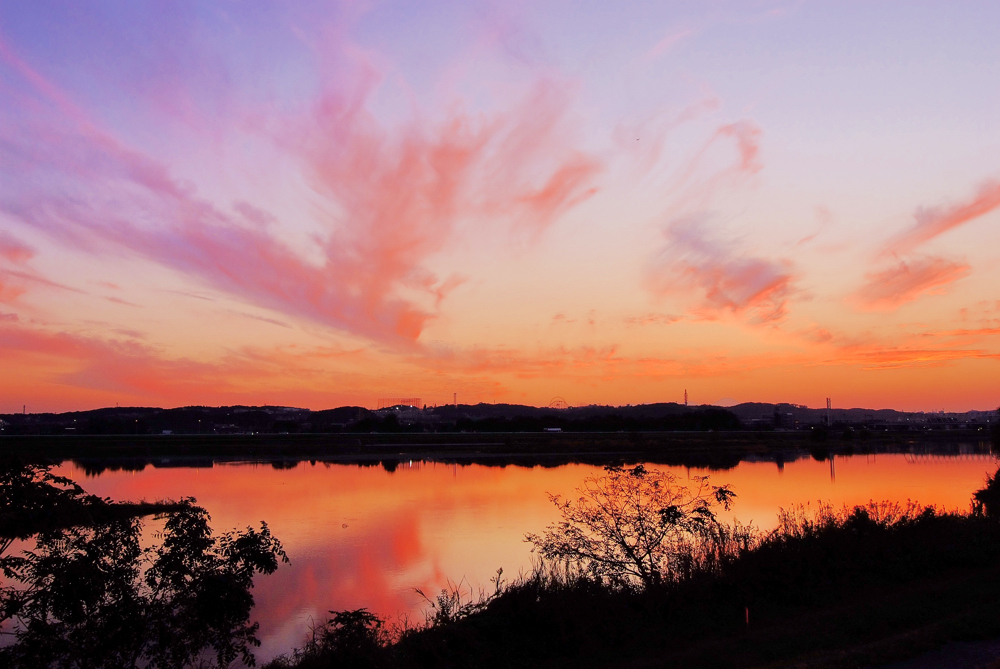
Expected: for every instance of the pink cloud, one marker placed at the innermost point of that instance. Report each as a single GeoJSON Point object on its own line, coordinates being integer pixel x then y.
{"type": "Point", "coordinates": [889, 289]}
{"type": "Point", "coordinates": [747, 138]}
{"type": "Point", "coordinates": [9, 292]}
{"type": "Point", "coordinates": [933, 221]}
{"type": "Point", "coordinates": [41, 280]}
{"type": "Point", "coordinates": [400, 194]}
{"type": "Point", "coordinates": [645, 139]}
{"type": "Point", "coordinates": [12, 281]}
{"type": "Point", "coordinates": [118, 300]}
{"type": "Point", "coordinates": [726, 279]}
{"type": "Point", "coordinates": [669, 40]}
{"type": "Point", "coordinates": [13, 250]}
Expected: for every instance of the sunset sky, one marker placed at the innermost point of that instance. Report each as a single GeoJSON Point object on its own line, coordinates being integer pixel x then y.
{"type": "Point", "coordinates": [327, 203]}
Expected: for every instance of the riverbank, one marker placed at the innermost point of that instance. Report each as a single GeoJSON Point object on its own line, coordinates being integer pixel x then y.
{"type": "Point", "coordinates": [856, 588]}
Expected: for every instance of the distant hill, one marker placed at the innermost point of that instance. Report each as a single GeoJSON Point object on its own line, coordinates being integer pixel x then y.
{"type": "Point", "coordinates": [668, 416]}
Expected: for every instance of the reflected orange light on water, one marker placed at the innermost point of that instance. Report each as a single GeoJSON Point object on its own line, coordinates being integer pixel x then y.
{"type": "Point", "coordinates": [368, 537]}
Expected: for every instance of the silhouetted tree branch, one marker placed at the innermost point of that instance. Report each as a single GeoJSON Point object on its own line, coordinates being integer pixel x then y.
{"type": "Point", "coordinates": [633, 525]}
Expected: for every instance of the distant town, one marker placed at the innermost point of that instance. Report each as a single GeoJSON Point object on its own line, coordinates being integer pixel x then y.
{"type": "Point", "coordinates": [405, 417]}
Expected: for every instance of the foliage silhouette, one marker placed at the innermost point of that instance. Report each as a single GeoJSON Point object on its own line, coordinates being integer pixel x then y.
{"type": "Point", "coordinates": [633, 524]}
{"type": "Point", "coordinates": [996, 428]}
{"type": "Point", "coordinates": [89, 595]}
{"type": "Point", "coordinates": [354, 638]}
{"type": "Point", "coordinates": [828, 587]}
{"type": "Point", "coordinates": [986, 501]}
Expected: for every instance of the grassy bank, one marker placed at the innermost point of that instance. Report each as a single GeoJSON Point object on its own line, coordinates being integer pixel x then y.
{"type": "Point", "coordinates": [848, 588]}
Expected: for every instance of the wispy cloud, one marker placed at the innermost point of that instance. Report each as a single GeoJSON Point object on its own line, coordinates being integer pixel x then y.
{"type": "Point", "coordinates": [891, 357]}
{"type": "Point", "coordinates": [726, 279]}
{"type": "Point", "coordinates": [906, 281]}
{"type": "Point", "coordinates": [263, 319]}
{"type": "Point", "coordinates": [13, 250]}
{"type": "Point", "coordinates": [667, 42]}
{"type": "Point", "coordinates": [398, 194]}
{"type": "Point", "coordinates": [651, 319]}
{"type": "Point", "coordinates": [744, 136]}
{"type": "Point", "coordinates": [933, 221]}
{"type": "Point", "coordinates": [645, 139]}
{"type": "Point", "coordinates": [694, 259]}
{"type": "Point", "coordinates": [135, 369]}
{"type": "Point", "coordinates": [118, 300]}
{"type": "Point", "coordinates": [912, 277]}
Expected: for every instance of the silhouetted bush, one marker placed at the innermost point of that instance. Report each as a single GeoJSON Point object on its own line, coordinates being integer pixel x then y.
{"type": "Point", "coordinates": [634, 525]}
{"type": "Point", "coordinates": [855, 568]}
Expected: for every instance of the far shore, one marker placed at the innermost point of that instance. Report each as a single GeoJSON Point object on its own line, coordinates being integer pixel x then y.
{"type": "Point", "coordinates": [713, 450]}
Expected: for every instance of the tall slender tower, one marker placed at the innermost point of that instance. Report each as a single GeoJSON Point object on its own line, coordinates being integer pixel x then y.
{"type": "Point", "coordinates": [828, 407]}
{"type": "Point", "coordinates": [685, 397]}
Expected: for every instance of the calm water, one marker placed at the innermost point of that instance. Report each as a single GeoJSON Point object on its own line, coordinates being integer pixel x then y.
{"type": "Point", "coordinates": [364, 536]}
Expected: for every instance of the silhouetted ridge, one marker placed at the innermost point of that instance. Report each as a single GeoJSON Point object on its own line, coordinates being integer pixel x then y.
{"type": "Point", "coordinates": [664, 416]}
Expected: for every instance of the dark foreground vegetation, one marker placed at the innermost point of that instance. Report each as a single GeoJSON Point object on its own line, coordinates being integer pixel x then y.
{"type": "Point", "coordinates": [668, 586]}
{"type": "Point", "coordinates": [85, 593]}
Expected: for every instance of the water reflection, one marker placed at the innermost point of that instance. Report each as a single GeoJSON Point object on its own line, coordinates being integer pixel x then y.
{"type": "Point", "coordinates": [368, 535]}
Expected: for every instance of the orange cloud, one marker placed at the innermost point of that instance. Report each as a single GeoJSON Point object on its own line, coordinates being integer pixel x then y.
{"type": "Point", "coordinates": [891, 288]}
{"type": "Point", "coordinates": [892, 358]}
{"type": "Point", "coordinates": [933, 221]}
{"type": "Point", "coordinates": [518, 363]}
{"type": "Point", "coordinates": [651, 319]}
{"type": "Point", "coordinates": [127, 368]}
{"type": "Point", "coordinates": [8, 292]}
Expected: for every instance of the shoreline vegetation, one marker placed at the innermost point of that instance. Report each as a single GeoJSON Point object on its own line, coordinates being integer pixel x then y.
{"type": "Point", "coordinates": [828, 588]}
